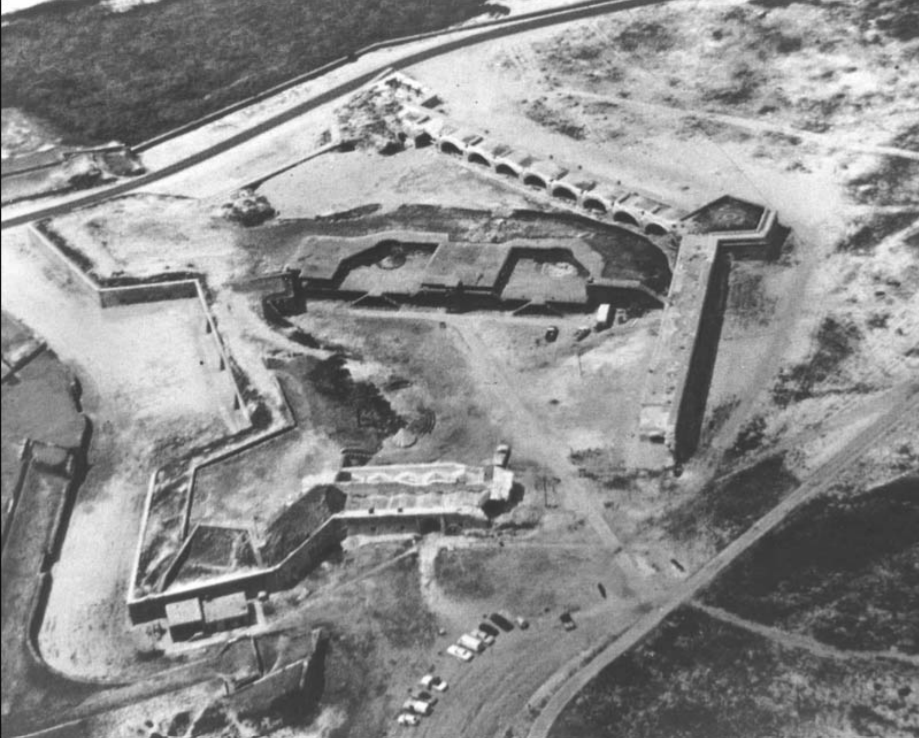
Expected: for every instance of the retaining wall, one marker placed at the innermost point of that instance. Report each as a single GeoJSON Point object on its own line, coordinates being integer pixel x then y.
{"type": "Point", "coordinates": [177, 288]}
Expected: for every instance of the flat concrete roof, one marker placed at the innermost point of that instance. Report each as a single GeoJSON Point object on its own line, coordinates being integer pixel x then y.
{"type": "Point", "coordinates": [548, 170]}
{"type": "Point", "coordinates": [475, 265]}
{"type": "Point", "coordinates": [678, 333]}
{"type": "Point", "coordinates": [227, 607]}
{"type": "Point", "coordinates": [184, 612]}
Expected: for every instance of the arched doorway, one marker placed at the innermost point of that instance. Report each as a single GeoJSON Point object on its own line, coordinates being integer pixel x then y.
{"type": "Point", "coordinates": [448, 147]}
{"type": "Point", "coordinates": [594, 205]}
{"type": "Point", "coordinates": [563, 193]}
{"type": "Point", "coordinates": [623, 217]}
{"type": "Point", "coordinates": [535, 181]}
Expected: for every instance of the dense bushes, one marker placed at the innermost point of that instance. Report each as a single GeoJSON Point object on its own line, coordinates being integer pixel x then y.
{"type": "Point", "coordinates": [100, 75]}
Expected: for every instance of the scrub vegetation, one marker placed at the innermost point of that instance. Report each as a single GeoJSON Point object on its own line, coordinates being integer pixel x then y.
{"type": "Point", "coordinates": [99, 75]}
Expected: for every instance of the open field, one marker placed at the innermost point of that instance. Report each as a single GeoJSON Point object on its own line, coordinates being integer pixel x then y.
{"type": "Point", "coordinates": [699, 677]}
{"type": "Point", "coordinates": [841, 571]}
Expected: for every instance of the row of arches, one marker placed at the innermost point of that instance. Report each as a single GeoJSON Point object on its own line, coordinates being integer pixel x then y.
{"type": "Point", "coordinates": [560, 191]}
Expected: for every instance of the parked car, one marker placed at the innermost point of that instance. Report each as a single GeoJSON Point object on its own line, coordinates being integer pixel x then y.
{"type": "Point", "coordinates": [489, 640]}
{"type": "Point", "coordinates": [458, 652]}
{"type": "Point", "coordinates": [429, 681]}
{"type": "Point", "coordinates": [522, 623]}
{"type": "Point", "coordinates": [408, 718]}
{"type": "Point", "coordinates": [567, 621]}
{"type": "Point", "coordinates": [581, 333]}
{"type": "Point", "coordinates": [418, 707]}
{"type": "Point", "coordinates": [502, 455]}
{"type": "Point", "coordinates": [502, 622]}
{"type": "Point", "coordinates": [471, 643]}
{"type": "Point", "coordinates": [489, 629]}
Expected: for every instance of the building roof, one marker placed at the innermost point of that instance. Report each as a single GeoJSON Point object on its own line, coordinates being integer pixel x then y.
{"type": "Point", "coordinates": [548, 170]}
{"type": "Point", "coordinates": [184, 612]}
{"type": "Point", "coordinates": [227, 607]}
{"type": "Point", "coordinates": [475, 265]}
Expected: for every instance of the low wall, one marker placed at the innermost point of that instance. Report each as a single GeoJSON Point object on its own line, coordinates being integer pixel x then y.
{"type": "Point", "coordinates": [153, 607]}
{"type": "Point", "coordinates": [156, 290]}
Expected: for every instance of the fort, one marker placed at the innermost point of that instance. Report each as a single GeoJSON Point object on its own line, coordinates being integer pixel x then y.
{"type": "Point", "coordinates": [201, 559]}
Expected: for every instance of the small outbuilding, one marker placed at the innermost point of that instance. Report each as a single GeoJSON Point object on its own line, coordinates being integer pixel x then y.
{"type": "Point", "coordinates": [227, 612]}
{"type": "Point", "coordinates": [184, 619]}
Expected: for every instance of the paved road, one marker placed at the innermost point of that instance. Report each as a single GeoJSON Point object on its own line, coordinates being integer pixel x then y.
{"type": "Point", "coordinates": [820, 481]}
{"type": "Point", "coordinates": [406, 60]}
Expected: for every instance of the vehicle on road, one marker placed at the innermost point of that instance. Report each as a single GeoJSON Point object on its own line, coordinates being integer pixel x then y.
{"type": "Point", "coordinates": [430, 681]}
{"type": "Point", "coordinates": [567, 621]}
{"type": "Point", "coordinates": [458, 652]}
{"type": "Point", "coordinates": [487, 638]}
{"type": "Point", "coordinates": [408, 718]}
{"type": "Point", "coordinates": [419, 707]}
{"type": "Point", "coordinates": [502, 622]}
{"type": "Point", "coordinates": [471, 643]}
{"type": "Point", "coordinates": [522, 623]}
{"type": "Point", "coordinates": [489, 629]}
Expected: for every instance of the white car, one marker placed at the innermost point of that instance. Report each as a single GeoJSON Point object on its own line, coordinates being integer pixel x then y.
{"type": "Point", "coordinates": [458, 652]}
{"type": "Point", "coordinates": [408, 718]}
{"type": "Point", "coordinates": [483, 636]}
{"type": "Point", "coordinates": [418, 707]}
{"type": "Point", "coordinates": [429, 681]}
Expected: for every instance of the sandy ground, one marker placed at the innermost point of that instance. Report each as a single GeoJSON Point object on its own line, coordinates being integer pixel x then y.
{"type": "Point", "coordinates": [341, 181]}
{"type": "Point", "coordinates": [145, 403]}
{"type": "Point", "coordinates": [769, 324]}
{"type": "Point", "coordinates": [148, 235]}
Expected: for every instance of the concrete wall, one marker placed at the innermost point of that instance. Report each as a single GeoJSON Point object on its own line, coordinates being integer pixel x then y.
{"type": "Point", "coordinates": [217, 357]}
{"type": "Point", "coordinates": [307, 555]}
{"type": "Point", "coordinates": [702, 362]}
{"type": "Point", "coordinates": [154, 292]}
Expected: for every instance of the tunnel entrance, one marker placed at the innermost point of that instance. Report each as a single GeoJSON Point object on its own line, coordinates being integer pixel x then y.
{"type": "Point", "coordinates": [535, 181]}
{"type": "Point", "coordinates": [506, 170]}
{"type": "Point", "coordinates": [624, 217]}
{"type": "Point", "coordinates": [563, 193]}
{"type": "Point", "coordinates": [479, 159]}
{"type": "Point", "coordinates": [450, 148]}
{"type": "Point", "coordinates": [593, 204]}
{"type": "Point", "coordinates": [653, 229]}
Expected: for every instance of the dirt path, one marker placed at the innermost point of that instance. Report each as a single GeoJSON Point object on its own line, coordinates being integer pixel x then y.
{"type": "Point", "coordinates": [554, 697]}
{"type": "Point", "coordinates": [531, 430]}
{"type": "Point", "coordinates": [824, 140]}
{"type": "Point", "coordinates": [793, 640]}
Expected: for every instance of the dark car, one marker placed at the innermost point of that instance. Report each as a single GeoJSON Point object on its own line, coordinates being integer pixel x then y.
{"type": "Point", "coordinates": [502, 622]}
{"type": "Point", "coordinates": [567, 621]}
{"type": "Point", "coordinates": [489, 629]}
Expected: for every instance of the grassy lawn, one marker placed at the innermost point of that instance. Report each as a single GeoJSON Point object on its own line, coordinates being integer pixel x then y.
{"type": "Point", "coordinates": [99, 75]}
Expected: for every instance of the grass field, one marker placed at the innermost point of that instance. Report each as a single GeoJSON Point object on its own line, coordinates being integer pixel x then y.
{"type": "Point", "coordinates": [700, 678]}
{"type": "Point", "coordinates": [99, 75]}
